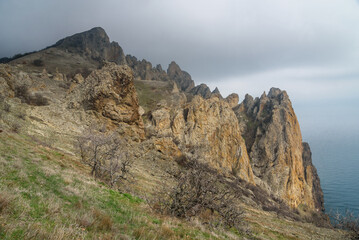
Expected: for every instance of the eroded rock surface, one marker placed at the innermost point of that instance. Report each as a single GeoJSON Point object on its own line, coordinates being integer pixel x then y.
{"type": "Point", "coordinates": [110, 91]}
{"type": "Point", "coordinates": [93, 43]}
{"type": "Point", "coordinates": [201, 90]}
{"type": "Point", "coordinates": [143, 70]}
{"type": "Point", "coordinates": [274, 142]}
{"type": "Point", "coordinates": [183, 79]}
{"type": "Point", "coordinates": [209, 129]}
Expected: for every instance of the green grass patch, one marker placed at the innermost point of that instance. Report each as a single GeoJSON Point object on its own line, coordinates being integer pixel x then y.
{"type": "Point", "coordinates": [50, 200]}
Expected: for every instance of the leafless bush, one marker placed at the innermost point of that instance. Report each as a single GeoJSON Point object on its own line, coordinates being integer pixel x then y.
{"type": "Point", "coordinates": [106, 154]}
{"type": "Point", "coordinates": [198, 192]}
{"type": "Point", "coordinates": [38, 62]}
{"type": "Point", "coordinates": [348, 222]}
{"type": "Point", "coordinates": [22, 92]}
{"type": "Point", "coordinates": [36, 99]}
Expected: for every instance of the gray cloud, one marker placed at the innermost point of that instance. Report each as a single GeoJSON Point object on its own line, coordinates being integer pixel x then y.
{"type": "Point", "coordinates": [310, 48]}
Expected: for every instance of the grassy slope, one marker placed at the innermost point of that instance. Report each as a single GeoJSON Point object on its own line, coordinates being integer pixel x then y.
{"type": "Point", "coordinates": [151, 92]}
{"type": "Point", "coordinates": [45, 194]}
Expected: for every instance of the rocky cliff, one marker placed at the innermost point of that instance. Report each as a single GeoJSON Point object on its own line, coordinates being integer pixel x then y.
{"type": "Point", "coordinates": [274, 142]}
{"type": "Point", "coordinates": [143, 70]}
{"type": "Point", "coordinates": [312, 178]}
{"type": "Point", "coordinates": [207, 128]}
{"type": "Point", "coordinates": [94, 44]}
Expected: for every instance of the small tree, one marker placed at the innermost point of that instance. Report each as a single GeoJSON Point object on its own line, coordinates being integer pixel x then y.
{"type": "Point", "coordinates": [117, 169]}
{"type": "Point", "coordinates": [106, 154]}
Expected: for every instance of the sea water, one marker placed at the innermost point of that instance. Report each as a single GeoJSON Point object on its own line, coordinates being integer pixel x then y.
{"type": "Point", "coordinates": [335, 153]}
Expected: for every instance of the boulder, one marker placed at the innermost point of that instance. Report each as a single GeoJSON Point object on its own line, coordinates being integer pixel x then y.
{"type": "Point", "coordinates": [110, 92]}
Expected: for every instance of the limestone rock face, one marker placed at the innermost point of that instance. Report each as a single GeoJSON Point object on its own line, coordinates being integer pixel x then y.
{"type": "Point", "coordinates": [312, 177]}
{"type": "Point", "coordinates": [95, 44]}
{"type": "Point", "coordinates": [16, 83]}
{"type": "Point", "coordinates": [217, 93]}
{"type": "Point", "coordinates": [110, 91]}
{"type": "Point", "coordinates": [210, 129]}
{"type": "Point", "coordinates": [201, 90]}
{"type": "Point", "coordinates": [232, 100]}
{"type": "Point", "coordinates": [183, 79]}
{"type": "Point", "coordinates": [6, 81]}
{"type": "Point", "coordinates": [143, 70]}
{"type": "Point", "coordinates": [274, 142]}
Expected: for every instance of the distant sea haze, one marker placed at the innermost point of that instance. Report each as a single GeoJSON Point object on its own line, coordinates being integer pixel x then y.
{"type": "Point", "coordinates": [336, 157]}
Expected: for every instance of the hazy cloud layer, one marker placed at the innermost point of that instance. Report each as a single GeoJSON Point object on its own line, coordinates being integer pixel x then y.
{"type": "Point", "coordinates": [310, 48]}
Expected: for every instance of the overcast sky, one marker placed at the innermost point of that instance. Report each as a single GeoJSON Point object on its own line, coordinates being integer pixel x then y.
{"type": "Point", "coordinates": [309, 48]}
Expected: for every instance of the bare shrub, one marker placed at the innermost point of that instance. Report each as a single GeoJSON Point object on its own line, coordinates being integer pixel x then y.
{"type": "Point", "coordinates": [22, 92]}
{"type": "Point", "coordinates": [118, 168]}
{"type": "Point", "coordinates": [348, 222]}
{"type": "Point", "coordinates": [36, 99]}
{"type": "Point", "coordinates": [106, 154]}
{"type": "Point", "coordinates": [199, 193]}
{"type": "Point", "coordinates": [38, 62]}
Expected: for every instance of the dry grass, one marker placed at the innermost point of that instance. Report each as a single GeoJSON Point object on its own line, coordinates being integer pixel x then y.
{"type": "Point", "coordinates": [102, 221]}
{"type": "Point", "coordinates": [5, 202]}
{"type": "Point", "coordinates": [166, 232]}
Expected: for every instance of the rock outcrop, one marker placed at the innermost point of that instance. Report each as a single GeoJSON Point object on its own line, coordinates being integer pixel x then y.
{"type": "Point", "coordinates": [217, 93]}
{"type": "Point", "coordinates": [201, 90]}
{"type": "Point", "coordinates": [94, 44]}
{"type": "Point", "coordinates": [312, 178]}
{"type": "Point", "coordinates": [16, 83]}
{"type": "Point", "coordinates": [232, 100]}
{"type": "Point", "coordinates": [207, 128]}
{"type": "Point", "coordinates": [143, 70]}
{"type": "Point", "coordinates": [183, 79]}
{"type": "Point", "coordinates": [274, 142]}
{"type": "Point", "coordinates": [110, 91]}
